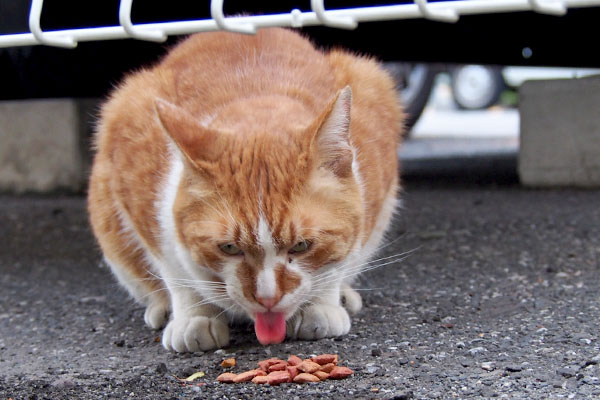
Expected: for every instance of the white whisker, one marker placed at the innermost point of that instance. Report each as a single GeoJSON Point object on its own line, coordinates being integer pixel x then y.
{"type": "Point", "coordinates": [333, 290]}
{"type": "Point", "coordinates": [154, 292]}
{"type": "Point", "coordinates": [383, 246]}
{"type": "Point", "coordinates": [338, 274]}
{"type": "Point", "coordinates": [209, 300]}
{"type": "Point", "coordinates": [223, 203]}
{"type": "Point", "coordinates": [372, 267]}
{"type": "Point", "coordinates": [225, 310]}
{"type": "Point", "coordinates": [182, 280]}
{"type": "Point", "coordinates": [334, 272]}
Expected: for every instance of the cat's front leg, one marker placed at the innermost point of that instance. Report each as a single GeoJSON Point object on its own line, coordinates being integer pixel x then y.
{"type": "Point", "coordinates": [322, 317]}
{"type": "Point", "coordinates": [194, 326]}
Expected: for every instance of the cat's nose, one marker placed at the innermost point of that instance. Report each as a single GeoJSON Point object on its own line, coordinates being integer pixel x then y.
{"type": "Point", "coordinates": [268, 302]}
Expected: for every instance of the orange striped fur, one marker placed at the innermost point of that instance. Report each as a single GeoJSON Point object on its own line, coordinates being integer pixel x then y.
{"type": "Point", "coordinates": [260, 142]}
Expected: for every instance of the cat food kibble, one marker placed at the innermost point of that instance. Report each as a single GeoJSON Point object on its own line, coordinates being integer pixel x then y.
{"type": "Point", "coordinates": [292, 370]}
{"type": "Point", "coordinates": [308, 366]}
{"type": "Point", "coordinates": [265, 364]}
{"type": "Point", "coordinates": [227, 377]}
{"type": "Point", "coordinates": [275, 371]}
{"type": "Point", "coordinates": [282, 366]}
{"type": "Point", "coordinates": [325, 359]}
{"type": "Point", "coordinates": [228, 363]}
{"type": "Point", "coordinates": [248, 375]}
{"type": "Point", "coordinates": [294, 360]}
{"type": "Point", "coordinates": [305, 378]}
{"type": "Point", "coordinates": [277, 377]}
{"type": "Point", "coordinates": [340, 373]}
{"type": "Point", "coordinates": [260, 379]}
{"type": "Point", "coordinates": [322, 375]}
{"type": "Point", "coordinates": [327, 367]}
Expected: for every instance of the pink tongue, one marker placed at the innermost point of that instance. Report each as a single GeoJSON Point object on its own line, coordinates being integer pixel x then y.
{"type": "Point", "coordinates": [270, 327]}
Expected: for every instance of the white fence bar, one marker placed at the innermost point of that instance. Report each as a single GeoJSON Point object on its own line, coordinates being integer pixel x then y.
{"type": "Point", "coordinates": [444, 15]}
{"type": "Point", "coordinates": [345, 18]}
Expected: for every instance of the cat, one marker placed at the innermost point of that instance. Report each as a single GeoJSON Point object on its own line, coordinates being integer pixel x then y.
{"type": "Point", "coordinates": [246, 176]}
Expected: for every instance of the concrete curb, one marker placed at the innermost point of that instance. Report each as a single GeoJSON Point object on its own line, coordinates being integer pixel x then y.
{"type": "Point", "coordinates": [45, 144]}
{"type": "Point", "coordinates": [560, 133]}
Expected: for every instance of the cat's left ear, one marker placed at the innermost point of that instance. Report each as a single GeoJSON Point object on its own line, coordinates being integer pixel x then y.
{"type": "Point", "coordinates": [331, 141]}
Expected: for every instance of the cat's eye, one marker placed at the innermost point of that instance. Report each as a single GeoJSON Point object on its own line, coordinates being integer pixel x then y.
{"type": "Point", "coordinates": [300, 247]}
{"type": "Point", "coordinates": [230, 249]}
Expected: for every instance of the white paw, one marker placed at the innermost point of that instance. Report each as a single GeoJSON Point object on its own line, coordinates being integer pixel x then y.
{"type": "Point", "coordinates": [157, 313]}
{"type": "Point", "coordinates": [195, 334]}
{"type": "Point", "coordinates": [351, 300]}
{"type": "Point", "coordinates": [319, 321]}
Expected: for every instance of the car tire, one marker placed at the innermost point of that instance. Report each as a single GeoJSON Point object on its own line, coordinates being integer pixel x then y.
{"type": "Point", "coordinates": [414, 83]}
{"type": "Point", "coordinates": [476, 87]}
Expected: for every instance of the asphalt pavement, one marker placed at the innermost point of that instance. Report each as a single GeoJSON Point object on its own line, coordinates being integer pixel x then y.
{"type": "Point", "coordinates": [499, 298]}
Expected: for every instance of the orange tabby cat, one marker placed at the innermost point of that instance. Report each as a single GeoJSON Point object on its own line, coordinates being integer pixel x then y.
{"type": "Point", "coordinates": [246, 176]}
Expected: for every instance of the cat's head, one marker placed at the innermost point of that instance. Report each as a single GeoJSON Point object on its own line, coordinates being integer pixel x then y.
{"type": "Point", "coordinates": [269, 202]}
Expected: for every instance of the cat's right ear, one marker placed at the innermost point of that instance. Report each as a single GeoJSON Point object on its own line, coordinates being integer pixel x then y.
{"type": "Point", "coordinates": [331, 140]}
{"type": "Point", "coordinates": [200, 145]}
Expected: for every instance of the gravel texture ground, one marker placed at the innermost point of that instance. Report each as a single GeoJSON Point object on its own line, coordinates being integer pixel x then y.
{"type": "Point", "coordinates": [499, 299]}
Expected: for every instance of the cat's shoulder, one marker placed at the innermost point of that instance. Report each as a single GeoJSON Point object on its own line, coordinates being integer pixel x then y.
{"type": "Point", "coordinates": [363, 73]}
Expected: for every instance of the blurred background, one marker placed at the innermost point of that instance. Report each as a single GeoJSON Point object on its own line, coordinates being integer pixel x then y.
{"type": "Point", "coordinates": [459, 82]}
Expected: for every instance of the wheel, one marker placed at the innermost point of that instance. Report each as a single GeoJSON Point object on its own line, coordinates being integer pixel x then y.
{"type": "Point", "coordinates": [414, 84]}
{"type": "Point", "coordinates": [475, 87]}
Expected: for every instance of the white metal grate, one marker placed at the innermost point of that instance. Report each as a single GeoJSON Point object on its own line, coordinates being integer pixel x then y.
{"type": "Point", "coordinates": [447, 11]}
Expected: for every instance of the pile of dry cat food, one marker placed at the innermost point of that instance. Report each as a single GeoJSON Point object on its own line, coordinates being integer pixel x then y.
{"type": "Point", "coordinates": [275, 371]}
